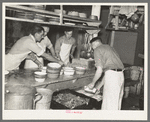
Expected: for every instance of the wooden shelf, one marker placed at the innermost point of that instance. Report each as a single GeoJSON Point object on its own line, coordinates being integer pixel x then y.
{"type": "Point", "coordinates": [48, 23]}
{"type": "Point", "coordinates": [49, 14]}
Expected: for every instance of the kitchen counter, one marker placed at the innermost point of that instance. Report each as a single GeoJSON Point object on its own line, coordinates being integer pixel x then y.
{"type": "Point", "coordinates": [26, 77]}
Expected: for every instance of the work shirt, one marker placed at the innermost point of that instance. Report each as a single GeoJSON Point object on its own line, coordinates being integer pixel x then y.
{"type": "Point", "coordinates": [20, 51]}
{"type": "Point", "coordinates": [46, 43]}
{"type": "Point", "coordinates": [25, 44]}
{"type": "Point", "coordinates": [63, 39]}
{"type": "Point", "coordinates": [107, 58]}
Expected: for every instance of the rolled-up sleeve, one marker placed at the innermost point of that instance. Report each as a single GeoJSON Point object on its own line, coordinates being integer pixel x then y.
{"type": "Point", "coordinates": [98, 59]}
{"type": "Point", "coordinates": [49, 45]}
{"type": "Point", "coordinates": [35, 48]}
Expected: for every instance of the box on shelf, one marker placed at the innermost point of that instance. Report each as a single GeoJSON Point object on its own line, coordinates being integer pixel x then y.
{"type": "Point", "coordinates": [87, 63]}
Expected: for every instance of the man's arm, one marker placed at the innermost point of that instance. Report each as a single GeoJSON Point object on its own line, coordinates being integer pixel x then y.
{"type": "Point", "coordinates": [51, 58]}
{"type": "Point", "coordinates": [32, 57]}
{"type": "Point", "coordinates": [57, 48]}
{"type": "Point", "coordinates": [53, 51]}
{"type": "Point", "coordinates": [97, 75]}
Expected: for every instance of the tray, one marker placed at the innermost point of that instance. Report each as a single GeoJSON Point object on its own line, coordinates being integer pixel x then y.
{"type": "Point", "coordinates": [88, 105]}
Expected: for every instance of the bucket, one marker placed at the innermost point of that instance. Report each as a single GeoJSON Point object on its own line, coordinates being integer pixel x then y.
{"type": "Point", "coordinates": [45, 102]}
{"type": "Point", "coordinates": [18, 97]}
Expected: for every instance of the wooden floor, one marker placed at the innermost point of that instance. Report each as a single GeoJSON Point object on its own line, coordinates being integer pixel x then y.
{"type": "Point", "coordinates": [131, 103]}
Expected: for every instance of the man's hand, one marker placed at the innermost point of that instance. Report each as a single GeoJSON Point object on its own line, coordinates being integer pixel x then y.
{"type": "Point", "coordinates": [61, 63]}
{"type": "Point", "coordinates": [71, 56]}
{"type": "Point", "coordinates": [91, 85]}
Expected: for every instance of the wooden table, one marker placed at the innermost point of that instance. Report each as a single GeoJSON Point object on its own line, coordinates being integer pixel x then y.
{"type": "Point", "coordinates": [26, 77]}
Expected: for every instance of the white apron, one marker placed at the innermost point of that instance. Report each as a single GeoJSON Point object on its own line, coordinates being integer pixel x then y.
{"type": "Point", "coordinates": [113, 90]}
{"type": "Point", "coordinates": [64, 52]}
{"type": "Point", "coordinates": [12, 61]}
{"type": "Point", "coordinates": [30, 64]}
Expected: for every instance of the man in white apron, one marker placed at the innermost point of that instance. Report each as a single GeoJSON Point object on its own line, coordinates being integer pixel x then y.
{"type": "Point", "coordinates": [45, 43]}
{"type": "Point", "coordinates": [24, 46]}
{"type": "Point", "coordinates": [65, 46]}
{"type": "Point", "coordinates": [107, 60]}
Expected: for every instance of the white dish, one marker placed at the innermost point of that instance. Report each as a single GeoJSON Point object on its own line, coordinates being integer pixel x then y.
{"type": "Point", "coordinates": [80, 68]}
{"type": "Point", "coordinates": [40, 79]}
{"type": "Point", "coordinates": [69, 72]}
{"type": "Point", "coordinates": [54, 65]}
{"type": "Point", "coordinates": [40, 73]}
{"type": "Point", "coordinates": [6, 72]}
{"type": "Point", "coordinates": [68, 68]}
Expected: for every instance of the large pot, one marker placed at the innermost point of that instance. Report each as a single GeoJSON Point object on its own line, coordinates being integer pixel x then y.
{"type": "Point", "coordinates": [18, 97]}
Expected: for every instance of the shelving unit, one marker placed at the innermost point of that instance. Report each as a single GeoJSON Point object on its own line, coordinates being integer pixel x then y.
{"type": "Point", "coordinates": [49, 14]}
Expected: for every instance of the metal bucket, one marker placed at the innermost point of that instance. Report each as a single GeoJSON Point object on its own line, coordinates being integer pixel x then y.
{"type": "Point", "coordinates": [18, 97]}
{"type": "Point", "coordinates": [45, 102]}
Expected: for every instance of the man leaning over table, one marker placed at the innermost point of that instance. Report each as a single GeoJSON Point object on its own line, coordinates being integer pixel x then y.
{"type": "Point", "coordinates": [107, 60]}
{"type": "Point", "coordinates": [25, 46]}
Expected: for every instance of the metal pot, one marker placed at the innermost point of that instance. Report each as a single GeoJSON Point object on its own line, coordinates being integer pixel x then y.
{"type": "Point", "coordinates": [18, 97]}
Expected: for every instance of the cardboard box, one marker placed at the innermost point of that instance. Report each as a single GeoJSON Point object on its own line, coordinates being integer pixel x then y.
{"type": "Point", "coordinates": [87, 63]}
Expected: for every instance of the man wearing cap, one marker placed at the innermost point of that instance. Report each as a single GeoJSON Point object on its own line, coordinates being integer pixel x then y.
{"type": "Point", "coordinates": [107, 60]}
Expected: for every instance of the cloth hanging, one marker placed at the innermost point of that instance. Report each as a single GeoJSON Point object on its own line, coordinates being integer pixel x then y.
{"type": "Point", "coordinates": [128, 10]}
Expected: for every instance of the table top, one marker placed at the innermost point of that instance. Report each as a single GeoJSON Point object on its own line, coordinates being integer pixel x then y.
{"type": "Point", "coordinates": [26, 77]}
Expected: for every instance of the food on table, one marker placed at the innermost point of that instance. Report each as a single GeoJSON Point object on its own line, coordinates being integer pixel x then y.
{"type": "Point", "coordinates": [70, 100]}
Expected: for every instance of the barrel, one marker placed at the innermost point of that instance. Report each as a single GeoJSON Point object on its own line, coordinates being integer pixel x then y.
{"type": "Point", "coordinates": [44, 103]}
{"type": "Point", "coordinates": [19, 97]}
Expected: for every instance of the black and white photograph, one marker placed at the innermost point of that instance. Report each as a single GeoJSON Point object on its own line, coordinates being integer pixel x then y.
{"type": "Point", "coordinates": [78, 61]}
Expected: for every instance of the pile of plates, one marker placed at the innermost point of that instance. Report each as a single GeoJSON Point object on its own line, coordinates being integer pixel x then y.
{"type": "Point", "coordinates": [41, 7]}
{"type": "Point", "coordinates": [54, 20]}
{"type": "Point", "coordinates": [25, 15]}
{"type": "Point", "coordinates": [40, 17]}
{"type": "Point", "coordinates": [73, 13]}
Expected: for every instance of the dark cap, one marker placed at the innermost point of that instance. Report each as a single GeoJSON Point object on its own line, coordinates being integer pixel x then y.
{"type": "Point", "coordinates": [95, 39]}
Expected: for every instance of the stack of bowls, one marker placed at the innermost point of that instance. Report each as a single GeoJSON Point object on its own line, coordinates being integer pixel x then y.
{"type": "Point", "coordinates": [40, 76]}
{"type": "Point", "coordinates": [58, 11]}
{"type": "Point", "coordinates": [80, 70]}
{"type": "Point", "coordinates": [68, 71]}
{"type": "Point", "coordinates": [53, 70]}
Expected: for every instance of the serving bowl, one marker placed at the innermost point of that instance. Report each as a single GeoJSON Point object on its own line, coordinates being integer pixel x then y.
{"type": "Point", "coordinates": [53, 66]}
{"type": "Point", "coordinates": [40, 76]}
{"type": "Point", "coordinates": [69, 72]}
{"type": "Point", "coordinates": [53, 76]}
{"type": "Point", "coordinates": [80, 70]}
